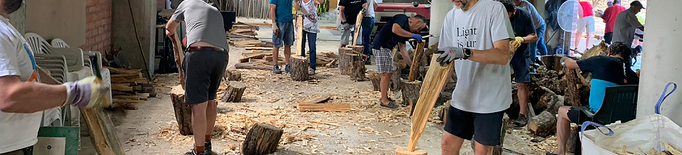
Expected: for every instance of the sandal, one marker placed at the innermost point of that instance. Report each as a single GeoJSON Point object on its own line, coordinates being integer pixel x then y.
{"type": "Point", "coordinates": [390, 105]}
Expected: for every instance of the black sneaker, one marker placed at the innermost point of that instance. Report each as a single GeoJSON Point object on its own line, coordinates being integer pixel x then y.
{"type": "Point", "coordinates": [208, 150]}
{"type": "Point", "coordinates": [192, 152]}
{"type": "Point", "coordinates": [287, 69]}
{"type": "Point", "coordinates": [521, 121]}
{"type": "Point", "coordinates": [275, 70]}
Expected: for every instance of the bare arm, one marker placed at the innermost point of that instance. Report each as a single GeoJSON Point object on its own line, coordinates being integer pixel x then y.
{"type": "Point", "coordinates": [375, 4]}
{"type": "Point", "coordinates": [46, 78]}
{"type": "Point", "coordinates": [297, 5]}
{"type": "Point", "coordinates": [364, 5]}
{"type": "Point", "coordinates": [400, 31]}
{"type": "Point", "coordinates": [171, 27]}
{"type": "Point", "coordinates": [341, 15]}
{"type": "Point", "coordinates": [571, 64]}
{"type": "Point", "coordinates": [273, 18]}
{"type": "Point", "coordinates": [318, 2]}
{"type": "Point", "coordinates": [531, 38]}
{"type": "Point", "coordinates": [498, 55]}
{"type": "Point", "coordinates": [29, 97]}
{"type": "Point", "coordinates": [404, 54]}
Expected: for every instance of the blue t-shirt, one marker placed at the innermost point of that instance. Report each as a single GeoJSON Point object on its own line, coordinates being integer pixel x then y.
{"type": "Point", "coordinates": [523, 26]}
{"type": "Point", "coordinates": [386, 38]}
{"type": "Point", "coordinates": [283, 10]}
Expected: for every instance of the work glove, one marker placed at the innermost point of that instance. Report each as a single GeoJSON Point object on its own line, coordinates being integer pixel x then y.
{"type": "Point", "coordinates": [85, 93]}
{"type": "Point", "coordinates": [417, 37]}
{"type": "Point", "coordinates": [275, 29]}
{"type": "Point", "coordinates": [563, 59]}
{"type": "Point", "coordinates": [516, 43]}
{"type": "Point", "coordinates": [450, 54]}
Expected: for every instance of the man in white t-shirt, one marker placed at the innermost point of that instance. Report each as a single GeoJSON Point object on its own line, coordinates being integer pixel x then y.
{"type": "Point", "coordinates": [477, 33]}
{"type": "Point", "coordinates": [367, 26]}
{"type": "Point", "coordinates": [22, 98]}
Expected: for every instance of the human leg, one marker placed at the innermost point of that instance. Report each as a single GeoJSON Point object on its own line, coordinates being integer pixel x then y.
{"type": "Point", "coordinates": [590, 32]}
{"type": "Point", "coordinates": [199, 126]}
{"type": "Point", "coordinates": [277, 43]}
{"type": "Point", "coordinates": [563, 129]}
{"type": "Point", "coordinates": [385, 80]}
{"type": "Point", "coordinates": [288, 41]}
{"type": "Point", "coordinates": [312, 39]}
{"type": "Point", "coordinates": [384, 61]}
{"type": "Point", "coordinates": [608, 37]}
{"type": "Point", "coordinates": [367, 26]}
{"type": "Point", "coordinates": [487, 130]}
{"type": "Point", "coordinates": [197, 93]}
{"type": "Point", "coordinates": [459, 125]}
{"type": "Point", "coordinates": [219, 60]}
{"type": "Point", "coordinates": [303, 40]}
{"type": "Point", "coordinates": [542, 48]}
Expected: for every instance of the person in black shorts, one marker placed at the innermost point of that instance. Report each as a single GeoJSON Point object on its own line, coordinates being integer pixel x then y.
{"type": "Point", "coordinates": [610, 70]}
{"type": "Point", "coordinates": [524, 30]}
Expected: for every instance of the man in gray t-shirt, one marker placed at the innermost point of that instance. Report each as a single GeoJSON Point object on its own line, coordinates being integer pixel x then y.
{"type": "Point", "coordinates": [626, 23]}
{"type": "Point", "coordinates": [204, 65]}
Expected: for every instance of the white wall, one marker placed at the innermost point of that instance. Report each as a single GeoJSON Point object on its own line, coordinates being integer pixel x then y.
{"type": "Point", "coordinates": [439, 8]}
{"type": "Point", "coordinates": [661, 59]}
{"type": "Point", "coordinates": [57, 19]}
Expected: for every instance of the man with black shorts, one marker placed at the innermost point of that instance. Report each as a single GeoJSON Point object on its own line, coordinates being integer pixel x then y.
{"type": "Point", "coordinates": [482, 92]}
{"type": "Point", "coordinates": [398, 29]}
{"type": "Point", "coordinates": [204, 65]}
{"type": "Point", "coordinates": [524, 31]}
{"type": "Point", "coordinates": [607, 71]}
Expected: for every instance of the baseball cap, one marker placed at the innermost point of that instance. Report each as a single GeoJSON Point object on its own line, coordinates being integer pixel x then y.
{"type": "Point", "coordinates": [637, 3]}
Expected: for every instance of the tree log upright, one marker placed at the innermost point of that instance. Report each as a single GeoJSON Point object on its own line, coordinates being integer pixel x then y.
{"type": "Point", "coordinates": [183, 111]}
{"type": "Point", "coordinates": [410, 91]}
{"type": "Point", "coordinates": [358, 71]}
{"type": "Point", "coordinates": [234, 92]}
{"type": "Point", "coordinates": [299, 68]}
{"type": "Point", "coordinates": [543, 124]}
{"type": "Point", "coordinates": [345, 60]}
{"type": "Point", "coordinates": [395, 83]}
{"type": "Point", "coordinates": [261, 139]}
{"type": "Point", "coordinates": [376, 80]}
{"type": "Point", "coordinates": [232, 75]}
{"type": "Point", "coordinates": [572, 90]}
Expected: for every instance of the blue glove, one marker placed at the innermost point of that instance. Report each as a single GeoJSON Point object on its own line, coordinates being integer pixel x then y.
{"type": "Point", "coordinates": [418, 37]}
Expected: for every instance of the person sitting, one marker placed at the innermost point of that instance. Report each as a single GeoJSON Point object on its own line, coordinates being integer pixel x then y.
{"type": "Point", "coordinates": [607, 71]}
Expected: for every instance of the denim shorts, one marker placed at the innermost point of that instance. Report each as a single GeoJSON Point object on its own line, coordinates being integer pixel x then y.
{"type": "Point", "coordinates": [286, 34]}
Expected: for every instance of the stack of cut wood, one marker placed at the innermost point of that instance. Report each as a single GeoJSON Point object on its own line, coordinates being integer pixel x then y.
{"type": "Point", "coordinates": [129, 87]}
{"type": "Point", "coordinates": [262, 59]}
{"type": "Point", "coordinates": [243, 30]}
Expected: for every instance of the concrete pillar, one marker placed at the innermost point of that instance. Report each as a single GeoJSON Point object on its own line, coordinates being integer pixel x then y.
{"type": "Point", "coordinates": [661, 59]}
{"type": "Point", "coordinates": [439, 8]}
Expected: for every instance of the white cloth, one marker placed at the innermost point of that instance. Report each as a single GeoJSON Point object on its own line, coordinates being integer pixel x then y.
{"type": "Point", "coordinates": [17, 130]}
{"type": "Point", "coordinates": [624, 29]}
{"type": "Point", "coordinates": [310, 21]}
{"type": "Point", "coordinates": [586, 24]}
{"type": "Point", "coordinates": [481, 88]}
{"type": "Point", "coordinates": [370, 7]}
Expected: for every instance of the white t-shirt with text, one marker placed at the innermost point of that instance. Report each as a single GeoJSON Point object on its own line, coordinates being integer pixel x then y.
{"type": "Point", "coordinates": [481, 88]}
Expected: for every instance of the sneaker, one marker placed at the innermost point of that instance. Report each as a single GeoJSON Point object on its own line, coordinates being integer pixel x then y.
{"type": "Point", "coordinates": [192, 152]}
{"type": "Point", "coordinates": [287, 69]}
{"type": "Point", "coordinates": [208, 150]}
{"type": "Point", "coordinates": [521, 121]}
{"type": "Point", "coordinates": [311, 71]}
{"type": "Point", "coordinates": [275, 70]}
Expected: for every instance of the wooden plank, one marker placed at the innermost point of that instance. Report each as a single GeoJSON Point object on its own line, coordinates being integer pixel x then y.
{"type": "Point", "coordinates": [435, 80]}
{"type": "Point", "coordinates": [121, 87]}
{"type": "Point", "coordinates": [127, 101]}
{"type": "Point", "coordinates": [102, 132]}
{"type": "Point", "coordinates": [123, 70]}
{"type": "Point", "coordinates": [259, 48]}
{"type": "Point", "coordinates": [249, 65]}
{"type": "Point", "coordinates": [299, 35]}
{"type": "Point", "coordinates": [358, 23]}
{"type": "Point", "coordinates": [125, 75]}
{"type": "Point", "coordinates": [324, 107]}
{"type": "Point", "coordinates": [416, 60]}
{"type": "Point", "coordinates": [328, 27]}
{"type": "Point", "coordinates": [179, 57]}
{"type": "Point", "coordinates": [315, 100]}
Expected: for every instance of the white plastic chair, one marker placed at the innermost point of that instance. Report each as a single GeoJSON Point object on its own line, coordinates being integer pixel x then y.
{"type": "Point", "coordinates": [75, 61]}
{"type": "Point", "coordinates": [38, 44]}
{"type": "Point", "coordinates": [59, 43]}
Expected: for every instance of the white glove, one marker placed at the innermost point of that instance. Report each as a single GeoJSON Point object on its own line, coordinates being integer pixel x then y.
{"type": "Point", "coordinates": [85, 93]}
{"type": "Point", "coordinates": [451, 54]}
{"type": "Point", "coordinates": [274, 27]}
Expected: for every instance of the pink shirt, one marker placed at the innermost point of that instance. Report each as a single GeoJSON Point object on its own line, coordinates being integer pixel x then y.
{"type": "Point", "coordinates": [587, 9]}
{"type": "Point", "coordinates": [610, 16]}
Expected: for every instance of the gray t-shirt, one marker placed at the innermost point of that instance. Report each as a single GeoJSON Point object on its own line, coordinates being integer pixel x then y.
{"type": "Point", "coordinates": [204, 23]}
{"type": "Point", "coordinates": [481, 88]}
{"type": "Point", "coordinates": [537, 18]}
{"type": "Point", "coordinates": [624, 29]}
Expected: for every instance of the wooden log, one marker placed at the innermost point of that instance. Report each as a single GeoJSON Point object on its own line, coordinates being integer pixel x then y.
{"type": "Point", "coordinates": [123, 70]}
{"type": "Point", "coordinates": [433, 83]}
{"type": "Point", "coordinates": [345, 60]}
{"type": "Point", "coordinates": [358, 71]}
{"type": "Point", "coordinates": [403, 151]}
{"type": "Point", "coordinates": [233, 92]}
{"type": "Point", "coordinates": [376, 80]}
{"type": "Point", "coordinates": [323, 107]}
{"type": "Point", "coordinates": [183, 111]}
{"type": "Point", "coordinates": [179, 57]}
{"type": "Point", "coordinates": [573, 139]}
{"type": "Point", "coordinates": [543, 125]}
{"type": "Point", "coordinates": [598, 50]}
{"type": "Point", "coordinates": [299, 68]}
{"type": "Point", "coordinates": [410, 91]}
{"type": "Point", "coordinates": [552, 62]}
{"type": "Point", "coordinates": [358, 23]}
{"type": "Point", "coordinates": [299, 35]}
{"type": "Point", "coordinates": [232, 75]}
{"type": "Point", "coordinates": [572, 90]}
{"type": "Point", "coordinates": [102, 131]}
{"type": "Point", "coordinates": [250, 65]}
{"type": "Point", "coordinates": [262, 139]}
{"type": "Point", "coordinates": [414, 68]}
{"type": "Point", "coordinates": [319, 99]}
{"type": "Point", "coordinates": [395, 83]}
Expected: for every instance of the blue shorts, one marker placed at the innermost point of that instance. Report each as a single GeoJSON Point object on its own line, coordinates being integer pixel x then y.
{"type": "Point", "coordinates": [521, 66]}
{"type": "Point", "coordinates": [286, 34]}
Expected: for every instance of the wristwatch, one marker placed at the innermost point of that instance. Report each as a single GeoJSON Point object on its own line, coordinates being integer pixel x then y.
{"type": "Point", "coordinates": [467, 53]}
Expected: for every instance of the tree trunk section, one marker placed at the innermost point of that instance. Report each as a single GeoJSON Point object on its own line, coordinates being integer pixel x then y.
{"type": "Point", "coordinates": [552, 62]}
{"type": "Point", "coordinates": [232, 75]}
{"type": "Point", "coordinates": [572, 90]}
{"type": "Point", "coordinates": [252, 65]}
{"type": "Point", "coordinates": [410, 91]}
{"type": "Point", "coordinates": [395, 83]}
{"type": "Point", "coordinates": [358, 71]}
{"type": "Point", "coordinates": [345, 60]}
{"type": "Point", "coordinates": [572, 140]}
{"type": "Point", "coordinates": [376, 80]}
{"type": "Point", "coordinates": [262, 139]}
{"type": "Point", "coordinates": [234, 92]}
{"type": "Point", "coordinates": [543, 125]}
{"type": "Point", "coordinates": [299, 68]}
{"type": "Point", "coordinates": [183, 111]}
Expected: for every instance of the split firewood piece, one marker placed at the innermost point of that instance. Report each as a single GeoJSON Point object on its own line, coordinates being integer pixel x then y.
{"type": "Point", "coordinates": [319, 99]}
{"type": "Point", "coordinates": [179, 57]}
{"type": "Point", "coordinates": [323, 107]}
{"type": "Point", "coordinates": [358, 23]}
{"type": "Point", "coordinates": [299, 35]}
{"type": "Point", "coordinates": [262, 139]}
{"type": "Point", "coordinates": [233, 92]}
{"type": "Point", "coordinates": [671, 149]}
{"type": "Point", "coordinates": [414, 68]}
{"type": "Point", "coordinates": [299, 68]}
{"type": "Point", "coordinates": [183, 111]}
{"type": "Point", "coordinates": [543, 125]}
{"type": "Point", "coordinates": [252, 65]}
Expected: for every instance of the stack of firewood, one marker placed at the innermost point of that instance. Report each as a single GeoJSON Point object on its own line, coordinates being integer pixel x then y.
{"type": "Point", "coordinates": [262, 59]}
{"type": "Point", "coordinates": [129, 87]}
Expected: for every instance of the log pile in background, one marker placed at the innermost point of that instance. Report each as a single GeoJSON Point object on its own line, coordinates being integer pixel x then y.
{"type": "Point", "coordinates": [243, 31]}
{"type": "Point", "coordinates": [129, 87]}
{"type": "Point", "coordinates": [262, 59]}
